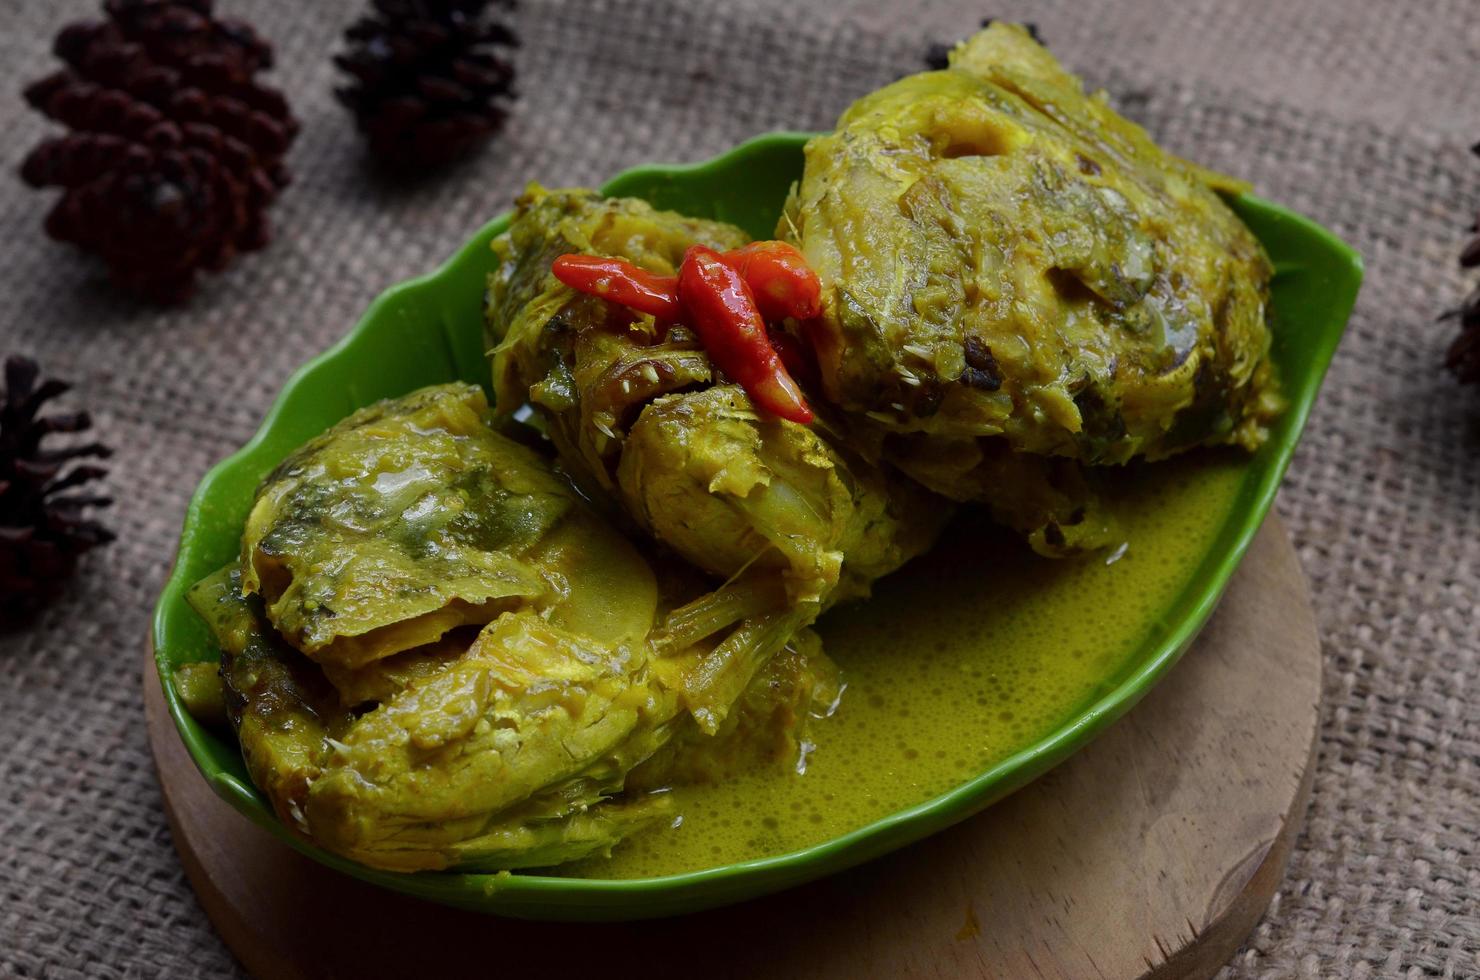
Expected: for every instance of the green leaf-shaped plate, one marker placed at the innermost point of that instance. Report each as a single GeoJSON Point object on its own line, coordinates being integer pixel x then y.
{"type": "Point", "coordinates": [428, 330]}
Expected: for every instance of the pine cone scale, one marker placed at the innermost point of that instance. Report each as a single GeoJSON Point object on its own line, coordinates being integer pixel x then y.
{"type": "Point", "coordinates": [94, 450]}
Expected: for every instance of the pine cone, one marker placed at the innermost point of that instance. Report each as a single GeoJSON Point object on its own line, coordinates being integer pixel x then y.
{"type": "Point", "coordinates": [175, 150]}
{"type": "Point", "coordinates": [938, 54]}
{"type": "Point", "coordinates": [1464, 354]}
{"type": "Point", "coordinates": [428, 85]}
{"type": "Point", "coordinates": [42, 531]}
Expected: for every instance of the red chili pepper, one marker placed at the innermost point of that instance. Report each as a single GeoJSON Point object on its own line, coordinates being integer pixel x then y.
{"type": "Point", "coordinates": [722, 310]}
{"type": "Point", "coordinates": [795, 357]}
{"type": "Point", "coordinates": [619, 281]}
{"type": "Point", "coordinates": [783, 284]}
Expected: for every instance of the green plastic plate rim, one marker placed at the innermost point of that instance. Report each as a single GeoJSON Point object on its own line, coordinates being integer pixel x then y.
{"type": "Point", "coordinates": [1316, 283]}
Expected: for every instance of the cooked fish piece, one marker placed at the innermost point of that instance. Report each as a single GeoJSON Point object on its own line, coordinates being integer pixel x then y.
{"type": "Point", "coordinates": [768, 726]}
{"type": "Point", "coordinates": [732, 491]}
{"type": "Point", "coordinates": [504, 758]}
{"type": "Point", "coordinates": [589, 366]}
{"type": "Point", "coordinates": [1007, 261]}
{"type": "Point", "coordinates": [527, 749]}
{"type": "Point", "coordinates": [785, 513]}
{"type": "Point", "coordinates": [496, 746]}
{"type": "Point", "coordinates": [411, 518]}
{"type": "Point", "coordinates": [199, 687]}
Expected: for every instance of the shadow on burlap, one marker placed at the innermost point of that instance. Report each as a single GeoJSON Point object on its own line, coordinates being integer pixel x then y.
{"type": "Point", "coordinates": [1356, 113]}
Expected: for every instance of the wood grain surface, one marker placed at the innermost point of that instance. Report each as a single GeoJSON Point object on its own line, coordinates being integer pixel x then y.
{"type": "Point", "coordinates": [1152, 853]}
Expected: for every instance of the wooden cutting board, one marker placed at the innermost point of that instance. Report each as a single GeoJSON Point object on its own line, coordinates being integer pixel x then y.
{"type": "Point", "coordinates": [1152, 853]}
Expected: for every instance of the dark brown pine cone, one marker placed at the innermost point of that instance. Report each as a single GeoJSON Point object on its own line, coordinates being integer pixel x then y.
{"type": "Point", "coordinates": [175, 149]}
{"type": "Point", "coordinates": [428, 83]}
{"type": "Point", "coordinates": [42, 528]}
{"type": "Point", "coordinates": [1464, 354]}
{"type": "Point", "coordinates": [938, 54]}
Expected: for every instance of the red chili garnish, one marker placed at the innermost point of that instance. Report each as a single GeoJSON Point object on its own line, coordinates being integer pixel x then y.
{"type": "Point", "coordinates": [779, 277]}
{"type": "Point", "coordinates": [723, 311]}
{"type": "Point", "coordinates": [727, 298]}
{"type": "Point", "coordinates": [621, 282]}
{"type": "Point", "coordinates": [795, 356]}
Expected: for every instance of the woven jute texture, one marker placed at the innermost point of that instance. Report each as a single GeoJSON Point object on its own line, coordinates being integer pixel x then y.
{"type": "Point", "coordinates": [1357, 113]}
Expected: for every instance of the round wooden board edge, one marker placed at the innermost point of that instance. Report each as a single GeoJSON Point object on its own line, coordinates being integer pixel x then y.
{"type": "Point", "coordinates": [1246, 899]}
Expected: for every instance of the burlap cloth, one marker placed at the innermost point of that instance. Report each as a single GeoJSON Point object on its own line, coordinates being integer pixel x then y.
{"type": "Point", "coordinates": [1355, 113]}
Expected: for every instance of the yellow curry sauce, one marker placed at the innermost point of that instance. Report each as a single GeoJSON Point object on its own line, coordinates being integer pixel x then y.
{"type": "Point", "coordinates": [955, 664]}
